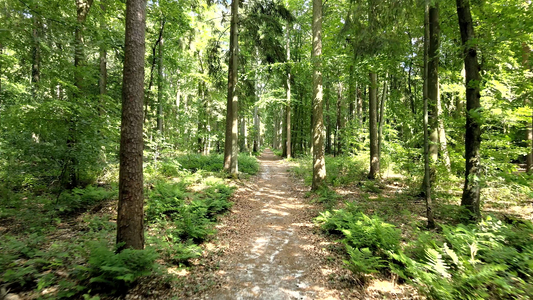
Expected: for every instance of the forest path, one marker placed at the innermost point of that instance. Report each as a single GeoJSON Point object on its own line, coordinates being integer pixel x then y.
{"type": "Point", "coordinates": [270, 250]}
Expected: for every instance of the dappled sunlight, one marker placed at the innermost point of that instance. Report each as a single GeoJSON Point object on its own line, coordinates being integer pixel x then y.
{"type": "Point", "coordinates": [259, 246]}
{"type": "Point", "coordinates": [180, 272]}
{"type": "Point", "coordinates": [275, 212]}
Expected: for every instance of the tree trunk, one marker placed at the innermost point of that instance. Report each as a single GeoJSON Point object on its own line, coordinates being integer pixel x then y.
{"type": "Point", "coordinates": [340, 122]}
{"type": "Point", "coordinates": [288, 145]}
{"type": "Point", "coordinates": [328, 122]}
{"type": "Point", "coordinates": [36, 55]}
{"type": "Point", "coordinates": [470, 198]}
{"type": "Point", "coordinates": [130, 231]}
{"type": "Point", "coordinates": [433, 88]}
{"type": "Point", "coordinates": [231, 147]}
{"type": "Point", "coordinates": [242, 134]}
{"type": "Point", "coordinates": [442, 137]}
{"type": "Point", "coordinates": [427, 183]}
{"type": "Point", "coordinates": [359, 107]}
{"type": "Point", "coordinates": [276, 130]}
{"type": "Point", "coordinates": [102, 80]}
{"type": "Point", "coordinates": [351, 93]}
{"type": "Point", "coordinates": [319, 163]}
{"type": "Point", "coordinates": [154, 62]}
{"type": "Point", "coordinates": [529, 125]}
{"type": "Point", "coordinates": [372, 103]}
{"type": "Point", "coordinates": [257, 130]}
{"type": "Point", "coordinates": [381, 117]}
{"type": "Point", "coordinates": [72, 174]}
{"type": "Point", "coordinates": [160, 85]}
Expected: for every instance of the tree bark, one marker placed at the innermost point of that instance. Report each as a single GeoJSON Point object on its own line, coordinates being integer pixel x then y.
{"type": "Point", "coordinates": [381, 117]}
{"type": "Point", "coordinates": [427, 183]}
{"type": "Point", "coordinates": [352, 98]}
{"type": "Point", "coordinates": [130, 230]}
{"type": "Point", "coordinates": [36, 55]}
{"type": "Point", "coordinates": [442, 137]}
{"type": "Point", "coordinates": [359, 106]}
{"type": "Point", "coordinates": [102, 80]}
{"type": "Point", "coordinates": [529, 125]}
{"type": "Point", "coordinates": [433, 88]}
{"type": "Point", "coordinates": [328, 121]}
{"type": "Point", "coordinates": [471, 190]}
{"type": "Point", "coordinates": [257, 129]}
{"type": "Point", "coordinates": [319, 163]}
{"type": "Point", "coordinates": [231, 147]}
{"type": "Point", "coordinates": [288, 145]}
{"type": "Point", "coordinates": [340, 122]}
{"type": "Point", "coordinates": [372, 103]}
{"type": "Point", "coordinates": [160, 85]}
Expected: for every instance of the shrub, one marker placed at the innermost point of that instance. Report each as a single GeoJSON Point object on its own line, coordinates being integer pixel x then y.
{"type": "Point", "coordinates": [368, 240]}
{"type": "Point", "coordinates": [118, 270]}
{"type": "Point", "coordinates": [79, 199]}
{"type": "Point", "coordinates": [481, 261]}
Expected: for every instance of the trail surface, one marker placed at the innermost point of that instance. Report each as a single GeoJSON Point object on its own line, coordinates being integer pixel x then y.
{"type": "Point", "coordinates": [270, 248]}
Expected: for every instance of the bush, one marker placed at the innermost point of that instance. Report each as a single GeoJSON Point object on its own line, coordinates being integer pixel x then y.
{"type": "Point", "coordinates": [368, 240]}
{"type": "Point", "coordinates": [340, 170]}
{"type": "Point", "coordinates": [79, 199]}
{"type": "Point", "coordinates": [215, 163]}
{"type": "Point", "coordinates": [482, 261]}
{"type": "Point", "coordinates": [185, 218]}
{"type": "Point", "coordinates": [118, 270]}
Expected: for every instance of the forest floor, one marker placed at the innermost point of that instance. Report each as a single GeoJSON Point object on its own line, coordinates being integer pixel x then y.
{"type": "Point", "coordinates": [268, 247]}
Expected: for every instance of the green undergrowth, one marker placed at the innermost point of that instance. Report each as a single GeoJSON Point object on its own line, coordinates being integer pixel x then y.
{"type": "Point", "coordinates": [184, 217]}
{"type": "Point", "coordinates": [68, 251]}
{"type": "Point", "coordinates": [341, 170]}
{"type": "Point", "coordinates": [248, 164]}
{"type": "Point", "coordinates": [489, 260]}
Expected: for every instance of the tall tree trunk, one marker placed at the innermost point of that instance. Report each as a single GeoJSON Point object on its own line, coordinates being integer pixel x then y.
{"type": "Point", "coordinates": [276, 131]}
{"type": "Point", "coordinates": [72, 167]}
{"type": "Point", "coordinates": [529, 125]}
{"type": "Point", "coordinates": [201, 119]}
{"type": "Point", "coordinates": [442, 137]}
{"type": "Point", "coordinates": [381, 116]}
{"type": "Point", "coordinates": [470, 198]}
{"type": "Point", "coordinates": [288, 145]}
{"type": "Point", "coordinates": [328, 121]}
{"type": "Point", "coordinates": [153, 64]}
{"type": "Point", "coordinates": [257, 130]}
{"type": "Point", "coordinates": [340, 122]}
{"type": "Point", "coordinates": [102, 80]}
{"type": "Point", "coordinates": [433, 88]}
{"type": "Point", "coordinates": [351, 94]}
{"type": "Point", "coordinates": [427, 183]}
{"type": "Point", "coordinates": [359, 106]}
{"type": "Point", "coordinates": [130, 229]}
{"type": "Point", "coordinates": [36, 55]}
{"type": "Point", "coordinates": [373, 109]}
{"type": "Point", "coordinates": [319, 163]}
{"type": "Point", "coordinates": [231, 147]}
{"type": "Point", "coordinates": [160, 85]}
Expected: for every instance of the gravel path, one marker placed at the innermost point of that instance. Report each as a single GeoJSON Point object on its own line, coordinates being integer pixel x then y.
{"type": "Point", "coordinates": [270, 249]}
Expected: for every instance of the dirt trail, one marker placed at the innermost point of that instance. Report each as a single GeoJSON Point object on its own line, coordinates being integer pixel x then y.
{"type": "Point", "coordinates": [271, 251]}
